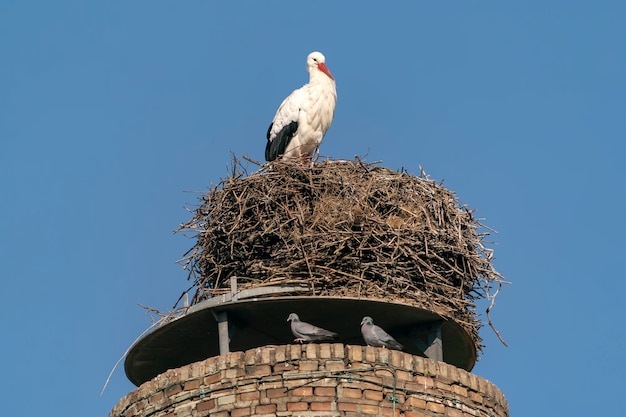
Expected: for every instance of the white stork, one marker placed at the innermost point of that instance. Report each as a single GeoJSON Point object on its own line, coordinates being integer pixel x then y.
{"type": "Point", "coordinates": [304, 116]}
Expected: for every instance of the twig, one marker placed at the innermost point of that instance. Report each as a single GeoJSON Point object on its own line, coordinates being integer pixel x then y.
{"type": "Point", "coordinates": [493, 302]}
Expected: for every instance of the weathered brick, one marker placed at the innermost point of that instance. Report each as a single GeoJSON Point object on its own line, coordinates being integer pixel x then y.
{"type": "Point", "coordinates": [221, 362]}
{"type": "Point", "coordinates": [403, 375]}
{"type": "Point", "coordinates": [444, 372]}
{"type": "Point", "coordinates": [343, 406]}
{"type": "Point", "coordinates": [338, 351]}
{"type": "Point", "coordinates": [192, 384]}
{"type": "Point", "coordinates": [247, 396]}
{"type": "Point", "coordinates": [355, 353]}
{"type": "Point", "coordinates": [236, 359]}
{"type": "Point", "coordinates": [325, 391]}
{"type": "Point", "coordinates": [436, 407]}
{"type": "Point", "coordinates": [300, 406]}
{"type": "Point", "coordinates": [453, 412]}
{"type": "Point", "coordinates": [432, 367]}
{"type": "Point", "coordinates": [425, 382]}
{"type": "Point", "coordinates": [308, 366]}
{"type": "Point", "coordinates": [149, 387]}
{"type": "Point", "coordinates": [418, 365]}
{"type": "Point", "coordinates": [151, 409]}
{"type": "Point", "coordinates": [157, 397]}
{"type": "Point", "coordinates": [322, 406]}
{"type": "Point", "coordinates": [130, 412]}
{"type": "Point", "coordinates": [325, 351]}
{"type": "Point", "coordinates": [369, 409]}
{"type": "Point", "coordinates": [370, 354]}
{"type": "Point", "coordinates": [412, 386]}
{"type": "Point", "coordinates": [302, 391]}
{"type": "Point", "coordinates": [473, 382]}
{"type": "Point", "coordinates": [361, 385]}
{"type": "Point", "coordinates": [249, 358]}
{"type": "Point", "coordinates": [270, 385]}
{"type": "Point", "coordinates": [389, 411]}
{"type": "Point", "coordinates": [295, 383]}
{"type": "Point", "coordinates": [442, 385]}
{"type": "Point", "coordinates": [141, 404]}
{"type": "Point", "coordinates": [383, 355]}
{"type": "Point", "coordinates": [414, 414]}
{"type": "Point", "coordinates": [226, 399]}
{"type": "Point", "coordinates": [241, 404]}
{"type": "Point", "coordinates": [311, 351]}
{"type": "Point", "coordinates": [240, 412]}
{"type": "Point", "coordinates": [453, 373]}
{"type": "Point", "coordinates": [459, 390]}
{"type": "Point", "coordinates": [268, 355]}
{"type": "Point", "coordinates": [360, 401]}
{"type": "Point", "coordinates": [334, 365]}
{"type": "Point", "coordinates": [351, 393]}
{"type": "Point", "coordinates": [219, 390]}
{"type": "Point", "coordinates": [373, 395]}
{"type": "Point", "coordinates": [491, 390]}
{"type": "Point", "coordinates": [395, 358]}
{"type": "Point", "coordinates": [408, 362]}
{"type": "Point", "coordinates": [206, 405]}
{"type": "Point", "coordinates": [464, 378]}
{"type": "Point", "coordinates": [295, 352]}
{"type": "Point", "coordinates": [183, 410]}
{"type": "Point", "coordinates": [275, 392]}
{"type": "Point", "coordinates": [265, 409]}
{"type": "Point", "coordinates": [210, 367]}
{"type": "Point", "coordinates": [173, 390]}
{"type": "Point", "coordinates": [476, 397]}
{"type": "Point", "coordinates": [234, 373]}
{"type": "Point", "coordinates": [220, 414]}
{"type": "Point", "coordinates": [257, 370]}
{"type": "Point", "coordinates": [415, 402]}
{"type": "Point", "coordinates": [281, 367]}
{"type": "Point", "coordinates": [281, 405]}
{"type": "Point", "coordinates": [483, 385]}
{"type": "Point", "coordinates": [213, 378]}
{"type": "Point", "coordinates": [196, 370]}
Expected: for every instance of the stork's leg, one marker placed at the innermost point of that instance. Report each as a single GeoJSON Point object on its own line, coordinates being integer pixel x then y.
{"type": "Point", "coordinates": [302, 158]}
{"type": "Point", "coordinates": [315, 156]}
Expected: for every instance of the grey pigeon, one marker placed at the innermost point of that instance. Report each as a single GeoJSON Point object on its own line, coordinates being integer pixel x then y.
{"type": "Point", "coordinates": [375, 336]}
{"type": "Point", "coordinates": [305, 332]}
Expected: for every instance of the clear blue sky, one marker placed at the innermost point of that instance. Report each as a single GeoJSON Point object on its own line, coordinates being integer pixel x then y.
{"type": "Point", "coordinates": [110, 112]}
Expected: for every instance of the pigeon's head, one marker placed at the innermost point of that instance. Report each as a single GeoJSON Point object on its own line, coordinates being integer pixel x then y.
{"type": "Point", "coordinates": [367, 320]}
{"type": "Point", "coordinates": [293, 317]}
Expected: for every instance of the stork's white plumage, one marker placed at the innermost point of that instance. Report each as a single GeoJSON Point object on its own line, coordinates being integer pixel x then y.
{"type": "Point", "coordinates": [304, 116]}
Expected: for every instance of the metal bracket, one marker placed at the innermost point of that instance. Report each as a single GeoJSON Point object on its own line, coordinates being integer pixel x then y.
{"type": "Point", "coordinates": [223, 326]}
{"type": "Point", "coordinates": [432, 347]}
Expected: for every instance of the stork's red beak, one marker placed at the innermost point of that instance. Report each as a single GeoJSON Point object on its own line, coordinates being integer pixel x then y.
{"type": "Point", "coordinates": [322, 67]}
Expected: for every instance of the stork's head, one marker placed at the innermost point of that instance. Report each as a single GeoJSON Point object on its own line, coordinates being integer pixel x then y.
{"type": "Point", "coordinates": [315, 63]}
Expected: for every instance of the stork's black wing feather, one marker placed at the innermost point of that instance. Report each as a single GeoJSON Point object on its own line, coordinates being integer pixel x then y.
{"type": "Point", "coordinates": [278, 144]}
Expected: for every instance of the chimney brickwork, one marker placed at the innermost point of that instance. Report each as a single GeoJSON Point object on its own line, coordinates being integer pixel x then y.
{"type": "Point", "coordinates": [327, 379]}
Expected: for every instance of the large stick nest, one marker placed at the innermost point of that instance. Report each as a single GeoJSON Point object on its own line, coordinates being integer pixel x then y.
{"type": "Point", "coordinates": [343, 228]}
